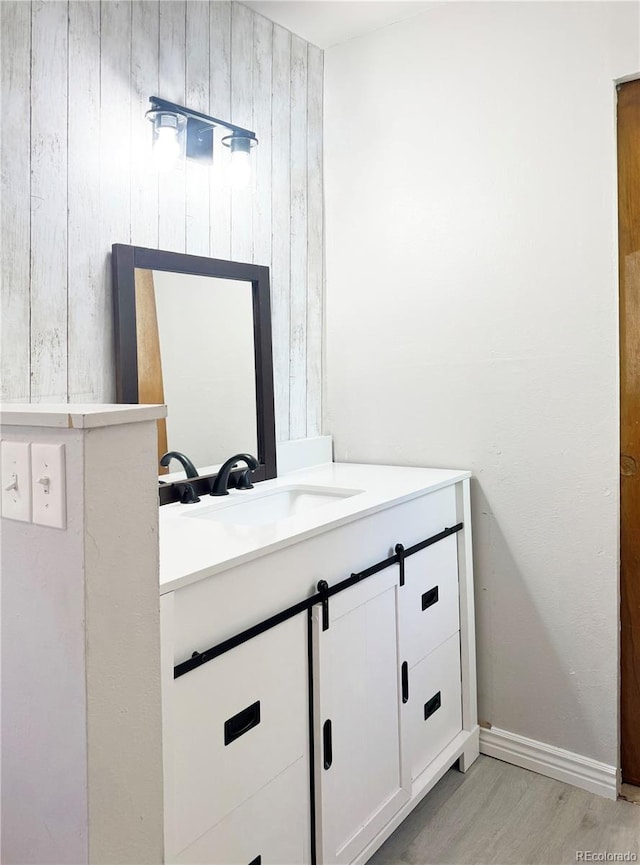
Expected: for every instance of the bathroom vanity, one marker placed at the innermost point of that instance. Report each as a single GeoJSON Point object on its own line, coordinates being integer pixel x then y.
{"type": "Point", "coordinates": [318, 661]}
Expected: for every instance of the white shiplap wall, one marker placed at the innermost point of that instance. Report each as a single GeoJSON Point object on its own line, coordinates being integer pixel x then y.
{"type": "Point", "coordinates": [76, 78]}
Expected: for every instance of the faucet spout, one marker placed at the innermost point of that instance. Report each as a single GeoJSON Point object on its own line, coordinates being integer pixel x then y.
{"type": "Point", "coordinates": [190, 470]}
{"type": "Point", "coordinates": [221, 483]}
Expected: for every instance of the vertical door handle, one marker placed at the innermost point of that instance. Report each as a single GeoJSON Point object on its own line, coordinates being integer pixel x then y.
{"type": "Point", "coordinates": [405, 682]}
{"type": "Point", "coordinates": [327, 744]}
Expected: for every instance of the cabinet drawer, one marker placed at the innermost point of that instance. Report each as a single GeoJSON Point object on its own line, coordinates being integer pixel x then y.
{"type": "Point", "coordinates": [235, 723]}
{"type": "Point", "coordinates": [270, 828]}
{"type": "Point", "coordinates": [429, 612]}
{"type": "Point", "coordinates": [432, 716]}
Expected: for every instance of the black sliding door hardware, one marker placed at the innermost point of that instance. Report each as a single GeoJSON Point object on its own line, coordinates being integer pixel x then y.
{"type": "Point", "coordinates": [323, 591]}
{"type": "Point", "coordinates": [199, 658]}
{"type": "Point", "coordinates": [400, 555]}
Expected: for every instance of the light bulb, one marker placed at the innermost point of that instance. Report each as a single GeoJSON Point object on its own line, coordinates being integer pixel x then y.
{"type": "Point", "coordinates": [166, 148]}
{"type": "Point", "coordinates": [240, 169]}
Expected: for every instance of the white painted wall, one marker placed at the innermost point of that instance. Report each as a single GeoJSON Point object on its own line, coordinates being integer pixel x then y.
{"type": "Point", "coordinates": [472, 319]}
{"type": "Point", "coordinates": [77, 177]}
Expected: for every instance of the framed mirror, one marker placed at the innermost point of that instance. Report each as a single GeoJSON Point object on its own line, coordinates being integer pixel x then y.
{"type": "Point", "coordinates": [195, 333]}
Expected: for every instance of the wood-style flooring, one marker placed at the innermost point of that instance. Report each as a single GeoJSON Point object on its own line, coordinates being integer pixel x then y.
{"type": "Point", "coordinates": [498, 814]}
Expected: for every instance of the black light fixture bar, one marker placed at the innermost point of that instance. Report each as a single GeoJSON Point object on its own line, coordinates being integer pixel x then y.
{"type": "Point", "coordinates": [158, 104]}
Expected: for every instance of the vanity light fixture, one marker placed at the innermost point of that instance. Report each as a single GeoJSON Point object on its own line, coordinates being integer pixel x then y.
{"type": "Point", "coordinates": [179, 132]}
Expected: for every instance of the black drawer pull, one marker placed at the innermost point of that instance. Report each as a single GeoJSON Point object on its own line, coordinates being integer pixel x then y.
{"type": "Point", "coordinates": [241, 724]}
{"type": "Point", "coordinates": [432, 705]}
{"type": "Point", "coordinates": [405, 682]}
{"type": "Point", "coordinates": [256, 861]}
{"type": "Point", "coordinates": [430, 598]}
{"type": "Point", "coordinates": [327, 744]}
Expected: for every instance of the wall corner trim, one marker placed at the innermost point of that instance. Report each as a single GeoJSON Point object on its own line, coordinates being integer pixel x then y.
{"type": "Point", "coordinates": [548, 760]}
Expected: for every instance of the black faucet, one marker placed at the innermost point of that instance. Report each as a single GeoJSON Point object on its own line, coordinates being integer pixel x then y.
{"type": "Point", "coordinates": [187, 465]}
{"type": "Point", "coordinates": [221, 482]}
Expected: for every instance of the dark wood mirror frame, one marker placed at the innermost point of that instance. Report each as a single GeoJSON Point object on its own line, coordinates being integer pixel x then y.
{"type": "Point", "coordinates": [125, 260]}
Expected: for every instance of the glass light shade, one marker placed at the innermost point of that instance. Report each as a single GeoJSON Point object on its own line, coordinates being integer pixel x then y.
{"type": "Point", "coordinates": [168, 138]}
{"type": "Point", "coordinates": [240, 169]}
{"type": "Point", "coordinates": [240, 145]}
{"type": "Point", "coordinates": [166, 149]}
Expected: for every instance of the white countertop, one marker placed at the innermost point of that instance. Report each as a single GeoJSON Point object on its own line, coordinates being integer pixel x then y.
{"type": "Point", "coordinates": [77, 415]}
{"type": "Point", "coordinates": [191, 549]}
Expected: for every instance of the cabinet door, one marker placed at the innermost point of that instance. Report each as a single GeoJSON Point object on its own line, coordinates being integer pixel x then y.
{"type": "Point", "coordinates": [361, 781]}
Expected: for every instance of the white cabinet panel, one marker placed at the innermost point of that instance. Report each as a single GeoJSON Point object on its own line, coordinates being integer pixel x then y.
{"type": "Point", "coordinates": [272, 827]}
{"type": "Point", "coordinates": [429, 600]}
{"type": "Point", "coordinates": [432, 716]}
{"type": "Point", "coordinates": [236, 722]}
{"type": "Point", "coordinates": [362, 784]}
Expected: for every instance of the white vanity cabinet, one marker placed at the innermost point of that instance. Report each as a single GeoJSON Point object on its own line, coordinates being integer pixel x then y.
{"type": "Point", "coordinates": [317, 718]}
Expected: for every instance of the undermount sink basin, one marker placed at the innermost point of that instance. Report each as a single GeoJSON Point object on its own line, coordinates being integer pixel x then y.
{"type": "Point", "coordinates": [266, 508]}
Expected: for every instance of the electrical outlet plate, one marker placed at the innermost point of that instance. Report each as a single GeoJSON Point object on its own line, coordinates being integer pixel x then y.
{"type": "Point", "coordinates": [48, 483]}
{"type": "Point", "coordinates": [15, 477]}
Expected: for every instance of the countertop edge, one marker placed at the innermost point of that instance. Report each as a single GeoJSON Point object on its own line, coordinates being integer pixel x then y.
{"type": "Point", "coordinates": [77, 415]}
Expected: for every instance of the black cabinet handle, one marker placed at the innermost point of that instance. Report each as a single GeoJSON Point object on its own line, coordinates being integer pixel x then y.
{"type": "Point", "coordinates": [399, 550]}
{"type": "Point", "coordinates": [432, 705]}
{"type": "Point", "coordinates": [405, 682]}
{"type": "Point", "coordinates": [327, 744]}
{"type": "Point", "coordinates": [430, 598]}
{"type": "Point", "coordinates": [241, 724]}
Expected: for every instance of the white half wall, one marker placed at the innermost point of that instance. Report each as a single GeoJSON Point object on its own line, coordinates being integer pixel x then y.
{"type": "Point", "coordinates": [472, 320]}
{"type": "Point", "coordinates": [81, 730]}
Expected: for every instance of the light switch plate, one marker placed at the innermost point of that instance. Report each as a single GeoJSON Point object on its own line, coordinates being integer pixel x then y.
{"type": "Point", "coordinates": [16, 480]}
{"type": "Point", "coordinates": [48, 484]}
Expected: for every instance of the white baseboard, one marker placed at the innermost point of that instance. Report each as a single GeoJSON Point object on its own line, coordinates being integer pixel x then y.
{"type": "Point", "coordinates": [548, 760]}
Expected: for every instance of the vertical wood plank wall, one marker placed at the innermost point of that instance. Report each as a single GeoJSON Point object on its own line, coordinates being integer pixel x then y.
{"type": "Point", "coordinates": [76, 177]}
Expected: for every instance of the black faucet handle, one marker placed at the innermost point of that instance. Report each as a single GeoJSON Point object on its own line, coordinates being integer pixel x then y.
{"type": "Point", "coordinates": [244, 481]}
{"type": "Point", "coordinates": [188, 494]}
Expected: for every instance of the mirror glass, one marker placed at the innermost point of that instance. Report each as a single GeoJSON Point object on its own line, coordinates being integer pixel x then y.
{"type": "Point", "coordinates": [206, 363]}
{"type": "Point", "coordinates": [195, 333]}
